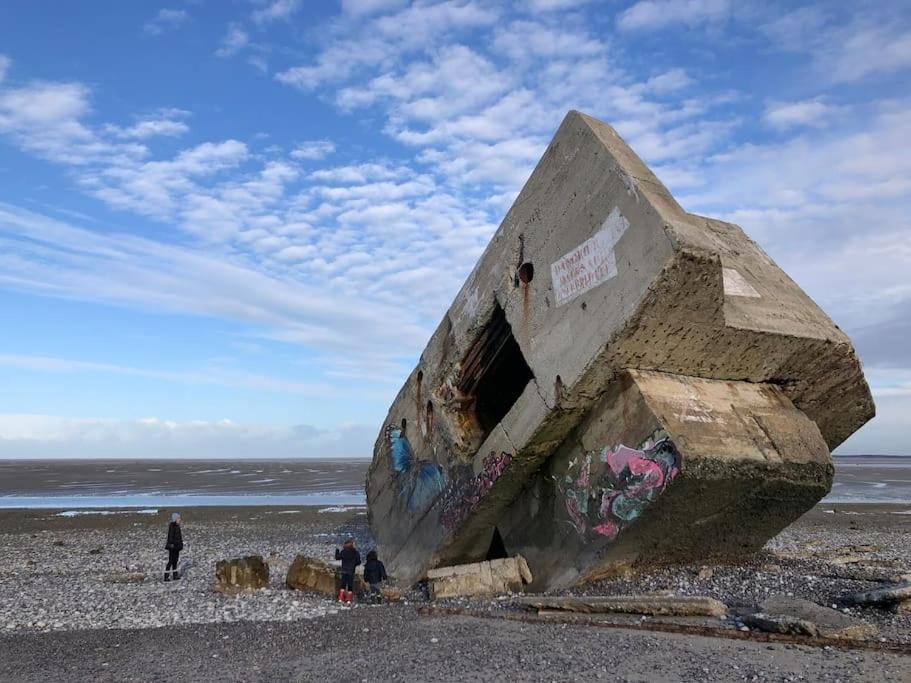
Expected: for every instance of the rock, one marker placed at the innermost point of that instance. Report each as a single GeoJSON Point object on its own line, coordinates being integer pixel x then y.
{"type": "Point", "coordinates": [96, 551]}
{"type": "Point", "coordinates": [245, 573]}
{"type": "Point", "coordinates": [59, 543]}
{"type": "Point", "coordinates": [652, 605]}
{"type": "Point", "coordinates": [871, 573]}
{"type": "Point", "coordinates": [794, 616]}
{"type": "Point", "coordinates": [705, 573]}
{"type": "Point", "coordinates": [888, 595]}
{"type": "Point", "coordinates": [124, 577]}
{"type": "Point", "coordinates": [392, 594]}
{"type": "Point", "coordinates": [509, 574]}
{"type": "Point", "coordinates": [903, 607]}
{"type": "Point", "coordinates": [307, 573]}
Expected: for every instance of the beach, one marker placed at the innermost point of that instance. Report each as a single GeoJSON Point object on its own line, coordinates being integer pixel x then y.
{"type": "Point", "coordinates": [60, 616]}
{"type": "Point", "coordinates": [82, 595]}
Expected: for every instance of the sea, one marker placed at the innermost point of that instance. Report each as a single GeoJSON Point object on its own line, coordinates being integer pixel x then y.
{"type": "Point", "coordinates": [149, 484]}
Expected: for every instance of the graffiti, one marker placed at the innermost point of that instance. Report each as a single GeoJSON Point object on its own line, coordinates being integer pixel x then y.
{"type": "Point", "coordinates": [420, 482]}
{"type": "Point", "coordinates": [628, 481]}
{"type": "Point", "coordinates": [464, 493]}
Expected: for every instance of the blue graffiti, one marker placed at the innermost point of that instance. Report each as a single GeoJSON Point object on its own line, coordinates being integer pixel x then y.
{"type": "Point", "coordinates": [420, 481]}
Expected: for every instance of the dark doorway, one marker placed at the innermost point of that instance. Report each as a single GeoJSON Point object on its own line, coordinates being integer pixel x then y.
{"type": "Point", "coordinates": [497, 550]}
{"type": "Point", "coordinates": [494, 372]}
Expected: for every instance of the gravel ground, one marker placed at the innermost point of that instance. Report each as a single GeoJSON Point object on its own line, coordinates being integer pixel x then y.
{"type": "Point", "coordinates": [60, 619]}
{"type": "Point", "coordinates": [54, 570]}
{"type": "Point", "coordinates": [820, 559]}
{"type": "Point", "coordinates": [393, 643]}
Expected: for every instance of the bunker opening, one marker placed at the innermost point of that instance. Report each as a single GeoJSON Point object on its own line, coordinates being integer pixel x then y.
{"type": "Point", "coordinates": [494, 373]}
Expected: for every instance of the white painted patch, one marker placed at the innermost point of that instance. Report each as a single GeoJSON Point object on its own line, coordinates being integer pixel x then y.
{"type": "Point", "coordinates": [589, 264]}
{"type": "Point", "coordinates": [736, 285]}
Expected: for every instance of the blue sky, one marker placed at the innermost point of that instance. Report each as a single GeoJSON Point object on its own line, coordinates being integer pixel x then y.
{"type": "Point", "coordinates": [228, 228]}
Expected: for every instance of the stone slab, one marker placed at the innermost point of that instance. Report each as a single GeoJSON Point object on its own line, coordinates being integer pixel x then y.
{"type": "Point", "coordinates": [480, 578]}
{"type": "Point", "coordinates": [888, 595]}
{"type": "Point", "coordinates": [652, 605]}
{"type": "Point", "coordinates": [782, 614]}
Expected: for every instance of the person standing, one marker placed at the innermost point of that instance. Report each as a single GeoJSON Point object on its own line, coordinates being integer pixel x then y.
{"type": "Point", "coordinates": [174, 545]}
{"type": "Point", "coordinates": [374, 575]}
{"type": "Point", "coordinates": [350, 558]}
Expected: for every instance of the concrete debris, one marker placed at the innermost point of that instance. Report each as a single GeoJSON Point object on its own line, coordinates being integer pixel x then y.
{"type": "Point", "coordinates": [652, 605]}
{"type": "Point", "coordinates": [618, 383]}
{"type": "Point", "coordinates": [794, 616]}
{"type": "Point", "coordinates": [243, 573]}
{"type": "Point", "coordinates": [392, 594]}
{"type": "Point", "coordinates": [309, 574]}
{"type": "Point", "coordinates": [888, 595]}
{"type": "Point", "coordinates": [507, 575]}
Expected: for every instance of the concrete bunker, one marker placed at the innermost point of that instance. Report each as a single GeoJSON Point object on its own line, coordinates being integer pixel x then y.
{"type": "Point", "coordinates": [618, 382]}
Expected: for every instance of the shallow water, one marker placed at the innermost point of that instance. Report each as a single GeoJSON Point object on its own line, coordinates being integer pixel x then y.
{"type": "Point", "coordinates": [187, 483]}
{"type": "Point", "coordinates": [871, 479]}
{"type": "Point", "coordinates": [180, 483]}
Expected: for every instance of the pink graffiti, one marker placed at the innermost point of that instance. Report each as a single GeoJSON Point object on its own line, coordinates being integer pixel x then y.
{"type": "Point", "coordinates": [630, 481]}
{"type": "Point", "coordinates": [462, 498]}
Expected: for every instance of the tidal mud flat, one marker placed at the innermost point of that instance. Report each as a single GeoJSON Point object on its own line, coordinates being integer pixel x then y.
{"type": "Point", "coordinates": [57, 599]}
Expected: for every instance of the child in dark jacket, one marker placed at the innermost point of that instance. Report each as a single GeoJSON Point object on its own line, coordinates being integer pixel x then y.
{"type": "Point", "coordinates": [351, 559]}
{"type": "Point", "coordinates": [374, 575]}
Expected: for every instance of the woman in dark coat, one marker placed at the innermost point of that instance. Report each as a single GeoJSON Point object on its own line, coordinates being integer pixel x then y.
{"type": "Point", "coordinates": [174, 545]}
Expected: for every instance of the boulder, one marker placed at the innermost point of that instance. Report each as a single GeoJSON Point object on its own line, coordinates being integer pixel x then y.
{"type": "Point", "coordinates": [889, 595]}
{"type": "Point", "coordinates": [903, 607]}
{"type": "Point", "coordinates": [310, 574]}
{"type": "Point", "coordinates": [244, 573]}
{"type": "Point", "coordinates": [652, 605]}
{"type": "Point", "coordinates": [794, 616]}
{"type": "Point", "coordinates": [509, 574]}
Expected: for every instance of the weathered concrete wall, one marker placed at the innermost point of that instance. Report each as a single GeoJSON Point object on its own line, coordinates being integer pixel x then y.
{"type": "Point", "coordinates": [601, 315]}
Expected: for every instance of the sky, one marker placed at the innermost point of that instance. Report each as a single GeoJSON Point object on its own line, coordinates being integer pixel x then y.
{"type": "Point", "coordinates": [228, 228]}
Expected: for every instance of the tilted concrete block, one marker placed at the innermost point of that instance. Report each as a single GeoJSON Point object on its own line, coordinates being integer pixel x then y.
{"type": "Point", "coordinates": [617, 382]}
{"type": "Point", "coordinates": [508, 574]}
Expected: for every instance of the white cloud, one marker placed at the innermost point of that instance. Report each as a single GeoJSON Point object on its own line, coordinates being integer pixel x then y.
{"type": "Point", "coordinates": [275, 10]}
{"type": "Point", "coordinates": [361, 8]}
{"type": "Point", "coordinates": [313, 149]}
{"type": "Point", "coordinates": [235, 40]}
{"type": "Point", "coordinates": [49, 436]}
{"type": "Point", "coordinates": [813, 113]}
{"type": "Point", "coordinates": [5, 63]}
{"type": "Point", "coordinates": [660, 14]}
{"type": "Point", "coordinates": [167, 122]}
{"type": "Point", "coordinates": [555, 5]}
{"type": "Point", "coordinates": [166, 20]}
{"type": "Point", "coordinates": [46, 119]}
{"type": "Point", "coordinates": [874, 41]}
{"type": "Point", "coordinates": [383, 39]}
{"type": "Point", "coordinates": [669, 81]}
{"type": "Point", "coordinates": [223, 377]}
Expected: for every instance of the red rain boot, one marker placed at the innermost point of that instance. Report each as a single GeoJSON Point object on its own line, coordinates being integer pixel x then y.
{"type": "Point", "coordinates": [341, 595]}
{"type": "Point", "coordinates": [350, 597]}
